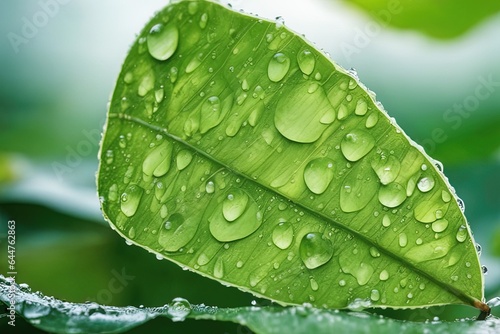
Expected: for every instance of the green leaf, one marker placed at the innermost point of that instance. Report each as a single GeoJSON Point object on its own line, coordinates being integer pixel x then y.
{"type": "Point", "coordinates": [439, 19]}
{"type": "Point", "coordinates": [55, 316]}
{"type": "Point", "coordinates": [237, 150]}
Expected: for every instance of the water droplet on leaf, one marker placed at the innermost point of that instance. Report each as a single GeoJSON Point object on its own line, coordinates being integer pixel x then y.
{"type": "Point", "coordinates": [314, 250]}
{"type": "Point", "coordinates": [162, 41]}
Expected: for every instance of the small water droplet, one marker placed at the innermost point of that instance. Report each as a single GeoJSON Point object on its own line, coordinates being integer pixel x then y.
{"type": "Point", "coordinates": [342, 282]}
{"type": "Point", "coordinates": [375, 295]}
{"type": "Point", "coordinates": [283, 234]}
{"type": "Point", "coordinates": [278, 67]}
{"type": "Point", "coordinates": [356, 144]}
{"type": "Point", "coordinates": [306, 61]}
{"type": "Point", "coordinates": [371, 120]}
{"type": "Point", "coordinates": [314, 284]}
{"type": "Point", "coordinates": [361, 107]}
{"type": "Point", "coordinates": [374, 252]}
{"type": "Point", "coordinates": [184, 158]}
{"type": "Point", "coordinates": [203, 20]}
{"type": "Point", "coordinates": [146, 85]}
{"type": "Point", "coordinates": [244, 85]}
{"type": "Point", "coordinates": [462, 233]}
{"type": "Point", "coordinates": [479, 249]}
{"type": "Point", "coordinates": [219, 268]}
{"type": "Point", "coordinates": [210, 187]}
{"type": "Point", "coordinates": [174, 72]}
{"type": "Point", "coordinates": [445, 196]}
{"type": "Point", "coordinates": [314, 250]}
{"type": "Point", "coordinates": [130, 199]}
{"type": "Point", "coordinates": [162, 41]}
{"type": "Point", "coordinates": [386, 221]}
{"type": "Point", "coordinates": [426, 184]}
{"type": "Point", "coordinates": [461, 204]}
{"type": "Point", "coordinates": [179, 309]}
{"type": "Point", "coordinates": [403, 240]}
{"type": "Point", "coordinates": [194, 63]}
{"type": "Point", "coordinates": [318, 174]}
{"type": "Point", "coordinates": [384, 275]}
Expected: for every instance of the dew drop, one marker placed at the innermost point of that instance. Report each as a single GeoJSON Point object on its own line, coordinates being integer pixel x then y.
{"type": "Point", "coordinates": [374, 252]}
{"type": "Point", "coordinates": [462, 233]}
{"type": "Point", "coordinates": [440, 225]}
{"type": "Point", "coordinates": [283, 234]}
{"type": "Point", "coordinates": [130, 199]}
{"type": "Point", "coordinates": [203, 20]}
{"type": "Point", "coordinates": [210, 187]}
{"type": "Point", "coordinates": [429, 211]}
{"type": "Point", "coordinates": [445, 196]}
{"type": "Point", "coordinates": [314, 250]}
{"type": "Point", "coordinates": [375, 295]}
{"type": "Point", "coordinates": [278, 67]}
{"type": "Point", "coordinates": [403, 240]}
{"type": "Point", "coordinates": [314, 284]}
{"type": "Point", "coordinates": [387, 168]}
{"type": "Point", "coordinates": [174, 72]}
{"type": "Point", "coordinates": [210, 113]}
{"type": "Point", "coordinates": [157, 162]}
{"type": "Point", "coordinates": [113, 193]}
{"type": "Point", "coordinates": [384, 275]}
{"type": "Point", "coordinates": [146, 85]}
{"type": "Point", "coordinates": [234, 204]}
{"type": "Point", "coordinates": [179, 309]}
{"type": "Point", "coordinates": [318, 174]}
{"type": "Point", "coordinates": [371, 120]}
{"type": "Point", "coordinates": [219, 268]}
{"type": "Point", "coordinates": [184, 158]}
{"type": "Point", "coordinates": [306, 61]}
{"type": "Point", "coordinates": [386, 221]}
{"type": "Point", "coordinates": [392, 195]}
{"type": "Point", "coordinates": [361, 107]}
{"type": "Point", "coordinates": [194, 63]}
{"type": "Point", "coordinates": [162, 41]}
{"type": "Point", "coordinates": [356, 144]}
{"type": "Point", "coordinates": [426, 184]}
{"type": "Point", "coordinates": [177, 231]}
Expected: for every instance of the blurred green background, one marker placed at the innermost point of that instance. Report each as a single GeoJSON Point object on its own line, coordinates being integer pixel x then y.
{"type": "Point", "coordinates": [59, 60]}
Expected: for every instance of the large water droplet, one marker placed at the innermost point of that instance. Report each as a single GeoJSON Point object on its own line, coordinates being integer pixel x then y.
{"type": "Point", "coordinates": [283, 234]}
{"type": "Point", "coordinates": [179, 309]}
{"type": "Point", "coordinates": [130, 199]}
{"type": "Point", "coordinates": [387, 167]}
{"type": "Point", "coordinates": [318, 174]}
{"type": "Point", "coordinates": [210, 187]}
{"type": "Point", "coordinates": [184, 158]}
{"type": "Point", "coordinates": [306, 61]}
{"type": "Point", "coordinates": [234, 204]}
{"type": "Point", "coordinates": [356, 144]}
{"type": "Point", "coordinates": [430, 250]}
{"type": "Point", "coordinates": [235, 217]}
{"type": "Point", "coordinates": [177, 231]}
{"type": "Point", "coordinates": [210, 113]}
{"type": "Point", "coordinates": [371, 120]}
{"type": "Point", "coordinates": [278, 67]}
{"type": "Point", "coordinates": [146, 85]}
{"type": "Point", "coordinates": [392, 195]}
{"type": "Point", "coordinates": [426, 184]}
{"type": "Point", "coordinates": [162, 41]}
{"type": "Point", "coordinates": [203, 20]}
{"type": "Point", "coordinates": [295, 124]}
{"type": "Point", "coordinates": [157, 162]}
{"type": "Point", "coordinates": [384, 275]}
{"type": "Point", "coordinates": [314, 250]}
{"type": "Point", "coordinates": [439, 225]}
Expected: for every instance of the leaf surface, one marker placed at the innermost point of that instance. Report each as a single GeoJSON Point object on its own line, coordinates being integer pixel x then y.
{"type": "Point", "coordinates": [236, 149]}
